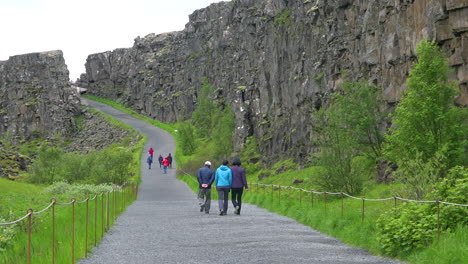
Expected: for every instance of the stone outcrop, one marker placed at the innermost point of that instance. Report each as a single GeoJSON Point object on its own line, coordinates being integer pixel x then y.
{"type": "Point", "coordinates": [95, 133]}
{"type": "Point", "coordinates": [35, 96]}
{"type": "Point", "coordinates": [275, 61]}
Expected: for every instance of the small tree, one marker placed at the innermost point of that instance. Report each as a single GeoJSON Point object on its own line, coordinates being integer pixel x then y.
{"type": "Point", "coordinates": [359, 110]}
{"type": "Point", "coordinates": [187, 138]}
{"type": "Point", "coordinates": [336, 152]}
{"type": "Point", "coordinates": [202, 117]}
{"type": "Point", "coordinates": [426, 120]}
{"type": "Point", "coordinates": [349, 137]}
{"type": "Point", "coordinates": [223, 132]}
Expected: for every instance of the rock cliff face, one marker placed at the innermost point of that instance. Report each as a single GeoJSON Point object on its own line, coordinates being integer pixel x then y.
{"type": "Point", "coordinates": [35, 97]}
{"type": "Point", "coordinates": [275, 61]}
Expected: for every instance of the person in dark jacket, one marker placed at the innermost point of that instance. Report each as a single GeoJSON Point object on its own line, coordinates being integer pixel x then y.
{"type": "Point", "coordinates": [169, 158]}
{"type": "Point", "coordinates": [160, 159]}
{"type": "Point", "coordinates": [149, 160]}
{"type": "Point", "coordinates": [205, 179]}
{"type": "Point", "coordinates": [223, 178]}
{"type": "Point", "coordinates": [239, 182]}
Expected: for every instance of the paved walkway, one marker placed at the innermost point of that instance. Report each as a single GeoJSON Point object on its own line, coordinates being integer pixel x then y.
{"type": "Point", "coordinates": [164, 225]}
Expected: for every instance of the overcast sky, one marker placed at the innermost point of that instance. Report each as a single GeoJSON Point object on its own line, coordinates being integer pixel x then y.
{"type": "Point", "coordinates": [83, 27]}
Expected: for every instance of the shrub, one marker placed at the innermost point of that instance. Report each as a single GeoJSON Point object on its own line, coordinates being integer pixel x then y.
{"type": "Point", "coordinates": [406, 229]}
{"type": "Point", "coordinates": [77, 190]}
{"type": "Point", "coordinates": [6, 234]}
{"type": "Point", "coordinates": [46, 168]}
{"type": "Point", "coordinates": [418, 175]}
{"type": "Point", "coordinates": [414, 225]}
{"type": "Point", "coordinates": [283, 17]}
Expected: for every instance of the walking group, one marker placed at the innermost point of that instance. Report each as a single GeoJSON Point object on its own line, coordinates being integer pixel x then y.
{"type": "Point", "coordinates": [226, 179]}
{"type": "Point", "coordinates": [164, 163]}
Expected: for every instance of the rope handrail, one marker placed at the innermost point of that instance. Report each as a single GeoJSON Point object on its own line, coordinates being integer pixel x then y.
{"type": "Point", "coordinates": [359, 198]}
{"type": "Point", "coordinates": [57, 203]}
{"type": "Point", "coordinates": [17, 220]}
{"type": "Point", "coordinates": [464, 205]}
{"type": "Point", "coordinates": [416, 201]}
{"type": "Point", "coordinates": [350, 196]}
{"type": "Point", "coordinates": [45, 209]}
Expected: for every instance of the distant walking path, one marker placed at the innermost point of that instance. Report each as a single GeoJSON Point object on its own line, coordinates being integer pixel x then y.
{"type": "Point", "coordinates": [164, 224]}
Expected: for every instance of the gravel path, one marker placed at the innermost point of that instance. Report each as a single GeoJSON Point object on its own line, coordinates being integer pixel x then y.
{"type": "Point", "coordinates": [164, 225]}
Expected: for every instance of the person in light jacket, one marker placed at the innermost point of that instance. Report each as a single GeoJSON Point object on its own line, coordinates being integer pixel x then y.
{"type": "Point", "coordinates": [223, 179]}
{"type": "Point", "coordinates": [205, 178]}
{"type": "Point", "coordinates": [239, 182]}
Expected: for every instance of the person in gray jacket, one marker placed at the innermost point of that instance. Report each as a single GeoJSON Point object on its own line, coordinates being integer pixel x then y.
{"type": "Point", "coordinates": [205, 179]}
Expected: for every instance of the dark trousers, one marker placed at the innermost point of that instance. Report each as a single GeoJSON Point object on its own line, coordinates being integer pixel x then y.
{"type": "Point", "coordinates": [223, 198]}
{"type": "Point", "coordinates": [204, 198]}
{"type": "Point", "coordinates": [237, 197]}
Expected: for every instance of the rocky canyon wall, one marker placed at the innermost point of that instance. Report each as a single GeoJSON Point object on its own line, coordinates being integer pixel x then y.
{"type": "Point", "coordinates": [35, 96]}
{"type": "Point", "coordinates": [275, 61]}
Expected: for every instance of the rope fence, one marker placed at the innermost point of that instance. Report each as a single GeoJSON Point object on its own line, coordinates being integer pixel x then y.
{"type": "Point", "coordinates": [342, 194]}
{"type": "Point", "coordinates": [120, 194]}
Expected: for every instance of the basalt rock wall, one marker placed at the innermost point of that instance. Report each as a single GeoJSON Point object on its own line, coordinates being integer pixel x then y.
{"type": "Point", "coordinates": [274, 61]}
{"type": "Point", "coordinates": [35, 96]}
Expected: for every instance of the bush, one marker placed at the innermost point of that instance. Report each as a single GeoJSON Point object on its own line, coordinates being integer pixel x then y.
{"type": "Point", "coordinates": [112, 165]}
{"type": "Point", "coordinates": [46, 168]}
{"type": "Point", "coordinates": [77, 190]}
{"type": "Point", "coordinates": [6, 234]}
{"type": "Point", "coordinates": [419, 175]}
{"type": "Point", "coordinates": [414, 226]}
{"type": "Point", "coordinates": [405, 229]}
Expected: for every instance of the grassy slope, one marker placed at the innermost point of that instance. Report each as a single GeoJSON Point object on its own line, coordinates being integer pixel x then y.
{"type": "Point", "coordinates": [327, 217]}
{"type": "Point", "coordinates": [17, 197]}
{"type": "Point", "coordinates": [31, 196]}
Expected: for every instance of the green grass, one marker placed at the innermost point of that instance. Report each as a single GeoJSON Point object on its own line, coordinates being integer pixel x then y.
{"type": "Point", "coordinates": [30, 196]}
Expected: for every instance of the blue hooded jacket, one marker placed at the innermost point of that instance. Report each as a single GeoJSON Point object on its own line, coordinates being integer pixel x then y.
{"type": "Point", "coordinates": [223, 176]}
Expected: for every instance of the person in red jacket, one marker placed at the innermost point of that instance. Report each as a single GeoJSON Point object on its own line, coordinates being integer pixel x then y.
{"type": "Point", "coordinates": [165, 164]}
{"type": "Point", "coordinates": [151, 152]}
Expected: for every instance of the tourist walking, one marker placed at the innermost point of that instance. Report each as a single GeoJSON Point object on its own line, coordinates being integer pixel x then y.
{"type": "Point", "coordinates": [160, 159]}
{"type": "Point", "coordinates": [165, 164]}
{"type": "Point", "coordinates": [149, 160]}
{"type": "Point", "coordinates": [169, 157]}
{"type": "Point", "coordinates": [223, 178]}
{"type": "Point", "coordinates": [239, 182]}
{"type": "Point", "coordinates": [205, 179]}
{"type": "Point", "coordinates": [151, 152]}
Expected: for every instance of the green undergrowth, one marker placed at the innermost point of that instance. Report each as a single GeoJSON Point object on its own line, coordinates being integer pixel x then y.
{"type": "Point", "coordinates": [17, 197]}
{"type": "Point", "coordinates": [326, 214]}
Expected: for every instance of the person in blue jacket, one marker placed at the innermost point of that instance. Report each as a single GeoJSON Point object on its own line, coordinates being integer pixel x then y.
{"type": "Point", "coordinates": [223, 179]}
{"type": "Point", "coordinates": [205, 179]}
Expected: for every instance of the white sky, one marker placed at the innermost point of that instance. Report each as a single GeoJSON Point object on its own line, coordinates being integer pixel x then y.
{"type": "Point", "coordinates": [83, 27]}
